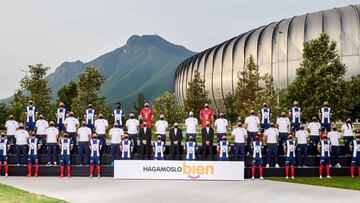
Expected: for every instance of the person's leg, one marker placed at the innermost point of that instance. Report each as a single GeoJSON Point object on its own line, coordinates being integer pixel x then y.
{"type": "Point", "coordinates": [268, 155]}
{"type": "Point", "coordinates": [23, 151]}
{"type": "Point", "coordinates": [18, 151]}
{"type": "Point", "coordinates": [336, 153]}
{"type": "Point", "coordinates": [248, 143]}
{"type": "Point", "coordinates": [172, 151]}
{"type": "Point", "coordinates": [242, 152]}
{"type": "Point", "coordinates": [305, 154]}
{"type": "Point", "coordinates": [275, 154]}
{"type": "Point", "coordinates": [236, 151]}
{"type": "Point", "coordinates": [211, 154]}
{"type": "Point", "coordinates": [142, 151]}
{"type": "Point", "coordinates": [81, 151]}
{"type": "Point", "coordinates": [50, 153]}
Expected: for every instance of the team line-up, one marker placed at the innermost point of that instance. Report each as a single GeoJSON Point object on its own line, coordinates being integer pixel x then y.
{"type": "Point", "coordinates": [288, 135]}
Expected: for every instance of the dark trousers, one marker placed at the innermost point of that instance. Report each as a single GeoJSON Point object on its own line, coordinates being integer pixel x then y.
{"type": "Point", "coordinates": [72, 137]}
{"type": "Point", "coordinates": [52, 152]}
{"type": "Point", "coordinates": [207, 151]}
{"type": "Point", "coordinates": [20, 149]}
{"type": "Point", "coordinates": [84, 148]}
{"type": "Point", "coordinates": [219, 136]}
{"type": "Point", "coordinates": [335, 151]}
{"type": "Point", "coordinates": [302, 154]}
{"type": "Point", "coordinates": [347, 141]}
{"type": "Point", "coordinates": [102, 139]}
{"type": "Point", "coordinates": [272, 153]}
{"type": "Point", "coordinates": [295, 126]}
{"type": "Point", "coordinates": [251, 138]}
{"type": "Point", "coordinates": [174, 151]}
{"type": "Point", "coordinates": [11, 138]}
{"type": "Point", "coordinates": [42, 139]}
{"type": "Point", "coordinates": [314, 141]}
{"type": "Point", "coordinates": [115, 151]}
{"type": "Point", "coordinates": [133, 138]}
{"type": "Point", "coordinates": [282, 140]}
{"type": "Point", "coordinates": [145, 151]}
{"type": "Point", "coordinates": [239, 148]}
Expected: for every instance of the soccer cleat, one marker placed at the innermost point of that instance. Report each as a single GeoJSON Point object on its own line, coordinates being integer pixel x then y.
{"type": "Point", "coordinates": [36, 175]}
{"type": "Point", "coordinates": [6, 175]}
{"type": "Point", "coordinates": [253, 178]}
{"type": "Point", "coordinates": [28, 175]}
{"type": "Point", "coordinates": [49, 163]}
{"type": "Point", "coordinates": [267, 166]}
{"type": "Point", "coordinates": [328, 176]}
{"type": "Point", "coordinates": [320, 177]}
{"type": "Point", "coordinates": [54, 163]}
{"type": "Point", "coordinates": [304, 166]}
{"type": "Point", "coordinates": [287, 177]}
{"type": "Point", "coordinates": [90, 176]}
{"type": "Point", "coordinates": [277, 166]}
{"type": "Point", "coordinates": [352, 176]}
{"type": "Point", "coordinates": [69, 176]}
{"type": "Point", "coordinates": [99, 176]}
{"type": "Point", "coordinates": [261, 178]}
{"type": "Point", "coordinates": [337, 165]}
{"type": "Point", "coordinates": [61, 176]}
{"type": "Point", "coordinates": [292, 177]}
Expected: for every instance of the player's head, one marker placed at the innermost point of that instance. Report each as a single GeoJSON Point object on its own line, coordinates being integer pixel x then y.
{"type": "Point", "coordinates": [325, 136]}
{"type": "Point", "coordinates": [66, 135]}
{"type": "Point", "coordinates": [116, 125]}
{"type": "Point", "coordinates": [31, 102]}
{"type": "Point", "coordinates": [83, 124]}
{"type": "Point", "coordinates": [314, 119]}
{"type": "Point", "coordinates": [326, 103]}
{"type": "Point", "coordinates": [283, 114]}
{"type": "Point", "coordinates": [52, 124]}
{"type": "Point", "coordinates": [302, 127]}
{"type": "Point", "coordinates": [94, 136]}
{"type": "Point", "coordinates": [162, 117]}
{"type": "Point", "coordinates": [41, 116]}
{"type": "Point", "coordinates": [206, 105]}
{"type": "Point", "coordinates": [33, 134]}
{"type": "Point", "coordinates": [296, 103]}
{"type": "Point", "coordinates": [61, 104]}
{"type": "Point", "coordinates": [118, 105]}
{"type": "Point", "coordinates": [221, 115]}
{"type": "Point", "coordinates": [144, 124]}
{"type": "Point", "coordinates": [176, 125]}
{"type": "Point", "coordinates": [71, 114]}
{"type": "Point", "coordinates": [191, 114]}
{"type": "Point", "coordinates": [146, 105]}
{"type": "Point", "coordinates": [272, 125]}
{"type": "Point", "coordinates": [349, 121]}
{"type": "Point", "coordinates": [333, 127]}
{"type": "Point", "coordinates": [21, 126]}
{"type": "Point", "coordinates": [101, 116]}
{"type": "Point", "coordinates": [265, 104]}
{"type": "Point", "coordinates": [357, 134]}
{"type": "Point", "coordinates": [126, 136]}
{"type": "Point", "coordinates": [2, 134]}
{"type": "Point", "coordinates": [207, 124]}
{"type": "Point", "coordinates": [290, 136]}
{"type": "Point", "coordinates": [158, 138]}
{"type": "Point", "coordinates": [257, 137]}
{"type": "Point", "coordinates": [11, 117]}
{"type": "Point", "coordinates": [191, 138]}
{"type": "Point", "coordinates": [131, 115]}
{"type": "Point", "coordinates": [239, 124]}
{"type": "Point", "coordinates": [252, 112]}
{"type": "Point", "coordinates": [224, 138]}
{"type": "Point", "coordinates": [90, 106]}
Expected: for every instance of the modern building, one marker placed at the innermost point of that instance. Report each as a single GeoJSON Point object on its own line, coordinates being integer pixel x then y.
{"type": "Point", "coordinates": [276, 48]}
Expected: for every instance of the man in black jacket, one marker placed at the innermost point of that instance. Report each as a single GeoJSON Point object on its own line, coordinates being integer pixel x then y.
{"type": "Point", "coordinates": [176, 136]}
{"type": "Point", "coordinates": [145, 142]}
{"type": "Point", "coordinates": [207, 134]}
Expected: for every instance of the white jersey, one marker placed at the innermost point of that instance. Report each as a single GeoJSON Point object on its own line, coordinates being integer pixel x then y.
{"type": "Point", "coordinates": [314, 128]}
{"type": "Point", "coordinates": [3, 146]}
{"type": "Point", "coordinates": [116, 134]}
{"type": "Point", "coordinates": [95, 147]}
{"type": "Point", "coordinates": [224, 148]}
{"type": "Point", "coordinates": [239, 134]}
{"type": "Point", "coordinates": [126, 148]}
{"type": "Point", "coordinates": [252, 123]}
{"type": "Point", "coordinates": [51, 135]}
{"type": "Point", "coordinates": [90, 116]}
{"type": "Point", "coordinates": [100, 126]}
{"type": "Point", "coordinates": [272, 135]}
{"type": "Point", "coordinates": [325, 148]}
{"type": "Point", "coordinates": [334, 137]}
{"type": "Point", "coordinates": [348, 130]}
{"type": "Point", "coordinates": [159, 149]}
{"type": "Point", "coordinates": [71, 124]}
{"type": "Point", "coordinates": [221, 125]}
{"type": "Point", "coordinates": [325, 114]}
{"type": "Point", "coordinates": [65, 146]}
{"type": "Point", "coordinates": [33, 146]}
{"type": "Point", "coordinates": [191, 124]}
{"type": "Point", "coordinates": [302, 136]}
{"type": "Point", "coordinates": [356, 148]}
{"type": "Point", "coordinates": [84, 134]}
{"type": "Point", "coordinates": [190, 150]}
{"type": "Point", "coordinates": [61, 114]}
{"type": "Point", "coordinates": [257, 147]}
{"type": "Point", "coordinates": [31, 113]}
{"type": "Point", "coordinates": [118, 114]}
{"type": "Point", "coordinates": [41, 126]}
{"type": "Point", "coordinates": [290, 148]}
{"type": "Point", "coordinates": [265, 115]}
{"type": "Point", "coordinates": [21, 137]}
{"type": "Point", "coordinates": [283, 124]}
{"type": "Point", "coordinates": [161, 126]}
{"type": "Point", "coordinates": [11, 126]}
{"type": "Point", "coordinates": [295, 114]}
{"type": "Point", "coordinates": [132, 125]}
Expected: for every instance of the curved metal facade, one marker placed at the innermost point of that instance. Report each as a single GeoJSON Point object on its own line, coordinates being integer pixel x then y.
{"type": "Point", "coordinates": [276, 48]}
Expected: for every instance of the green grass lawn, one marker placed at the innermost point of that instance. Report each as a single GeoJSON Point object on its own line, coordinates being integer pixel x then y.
{"type": "Point", "coordinates": [10, 194]}
{"type": "Point", "coordinates": [343, 182]}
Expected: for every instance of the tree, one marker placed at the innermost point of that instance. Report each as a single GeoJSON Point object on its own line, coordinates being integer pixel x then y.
{"type": "Point", "coordinates": [89, 83]}
{"type": "Point", "coordinates": [319, 78]}
{"type": "Point", "coordinates": [3, 115]}
{"type": "Point", "coordinates": [67, 94]}
{"type": "Point", "coordinates": [229, 102]}
{"type": "Point", "coordinates": [352, 98]}
{"type": "Point", "coordinates": [252, 90]}
{"type": "Point", "coordinates": [38, 88]}
{"type": "Point", "coordinates": [17, 106]}
{"type": "Point", "coordinates": [167, 105]}
{"type": "Point", "coordinates": [196, 95]}
{"type": "Point", "coordinates": [139, 103]}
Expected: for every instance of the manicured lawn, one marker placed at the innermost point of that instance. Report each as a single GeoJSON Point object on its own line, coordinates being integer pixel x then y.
{"type": "Point", "coordinates": [10, 194]}
{"type": "Point", "coordinates": [343, 182]}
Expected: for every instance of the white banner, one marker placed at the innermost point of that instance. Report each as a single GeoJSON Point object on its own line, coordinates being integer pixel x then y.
{"type": "Point", "coordinates": [179, 170]}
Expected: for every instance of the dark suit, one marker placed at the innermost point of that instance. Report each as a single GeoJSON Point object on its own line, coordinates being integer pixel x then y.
{"type": "Point", "coordinates": [207, 149]}
{"type": "Point", "coordinates": [145, 148]}
{"type": "Point", "coordinates": [175, 148]}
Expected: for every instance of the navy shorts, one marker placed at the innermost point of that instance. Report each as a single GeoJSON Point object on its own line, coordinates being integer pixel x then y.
{"type": "Point", "coordinates": [264, 126]}
{"type": "Point", "coordinates": [290, 161]}
{"type": "Point", "coordinates": [65, 159]}
{"type": "Point", "coordinates": [295, 126]}
{"type": "Point", "coordinates": [95, 160]}
{"type": "Point", "coordinates": [33, 159]}
{"type": "Point", "coordinates": [30, 126]}
{"type": "Point", "coordinates": [325, 126]}
{"type": "Point", "coordinates": [325, 160]}
{"type": "Point", "coordinates": [3, 158]}
{"type": "Point", "coordinates": [257, 161]}
{"type": "Point", "coordinates": [355, 161]}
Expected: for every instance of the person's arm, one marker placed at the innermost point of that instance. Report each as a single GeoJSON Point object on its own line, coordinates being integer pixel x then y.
{"type": "Point", "coordinates": [319, 148]}
{"type": "Point", "coordinates": [284, 147]}
{"type": "Point", "coordinates": [71, 146]}
{"type": "Point", "coordinates": [218, 148]}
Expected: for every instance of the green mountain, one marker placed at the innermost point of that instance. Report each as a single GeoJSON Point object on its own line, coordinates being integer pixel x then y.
{"type": "Point", "coordinates": [144, 64]}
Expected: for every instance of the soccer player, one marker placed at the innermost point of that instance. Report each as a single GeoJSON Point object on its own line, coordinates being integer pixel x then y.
{"type": "Point", "coordinates": [132, 125]}
{"type": "Point", "coordinates": [31, 114]}
{"type": "Point", "coordinates": [145, 141]}
{"type": "Point", "coordinates": [71, 125]}
{"type": "Point", "coordinates": [4, 148]}
{"type": "Point", "coordinates": [101, 124]}
{"type": "Point", "coordinates": [118, 115]}
{"type": "Point", "coordinates": [295, 114]}
{"type": "Point", "coordinates": [84, 134]}
{"type": "Point", "coordinates": [21, 137]}
{"type": "Point", "coordinates": [265, 115]}
{"type": "Point", "coordinates": [271, 137]}
{"type": "Point", "coordinates": [240, 135]}
{"type": "Point", "coordinates": [223, 148]}
{"type": "Point", "coordinates": [325, 115]}
{"type": "Point", "coordinates": [348, 135]}
{"type": "Point", "coordinates": [302, 146]}
{"type": "Point", "coordinates": [159, 148]}
{"type": "Point", "coordinates": [126, 147]}
{"type": "Point", "coordinates": [252, 124]}
{"type": "Point", "coordinates": [95, 147]}
{"type": "Point", "coordinates": [334, 137]}
{"type": "Point", "coordinates": [33, 158]}
{"type": "Point", "coordinates": [283, 124]}
{"type": "Point", "coordinates": [221, 125]}
{"type": "Point", "coordinates": [175, 135]}
{"type": "Point", "coordinates": [116, 133]}
{"type": "Point", "coordinates": [206, 115]}
{"type": "Point", "coordinates": [324, 148]}
{"type": "Point", "coordinates": [257, 161]}
{"type": "Point", "coordinates": [314, 128]}
{"type": "Point", "coordinates": [66, 146]}
{"type": "Point", "coordinates": [191, 122]}
{"type": "Point", "coordinates": [355, 148]}
{"type": "Point", "coordinates": [52, 135]}
{"type": "Point", "coordinates": [190, 148]}
{"type": "Point", "coordinates": [61, 114]}
{"type": "Point", "coordinates": [11, 126]}
{"type": "Point", "coordinates": [41, 125]}
{"type": "Point", "coordinates": [146, 115]}
{"type": "Point", "coordinates": [161, 126]}
{"type": "Point", "coordinates": [289, 149]}
{"type": "Point", "coordinates": [89, 117]}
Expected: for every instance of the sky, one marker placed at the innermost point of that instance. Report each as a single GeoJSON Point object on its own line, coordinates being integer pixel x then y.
{"type": "Point", "coordinates": [52, 32]}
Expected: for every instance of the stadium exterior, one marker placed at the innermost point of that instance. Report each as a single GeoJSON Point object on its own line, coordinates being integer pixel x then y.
{"type": "Point", "coordinates": [276, 48]}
